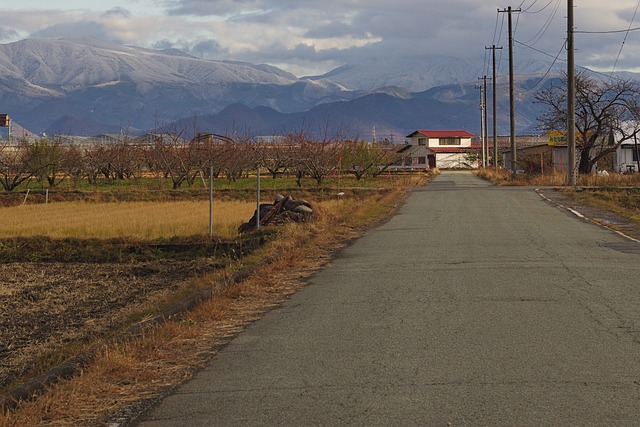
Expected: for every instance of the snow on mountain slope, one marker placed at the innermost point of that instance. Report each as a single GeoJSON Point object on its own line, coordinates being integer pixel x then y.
{"type": "Point", "coordinates": [414, 74]}
{"type": "Point", "coordinates": [136, 86]}
{"type": "Point", "coordinates": [72, 65]}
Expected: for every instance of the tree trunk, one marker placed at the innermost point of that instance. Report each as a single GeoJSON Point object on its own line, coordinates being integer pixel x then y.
{"type": "Point", "coordinates": [585, 161]}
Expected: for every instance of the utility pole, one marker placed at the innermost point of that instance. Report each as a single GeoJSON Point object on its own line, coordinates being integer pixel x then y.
{"type": "Point", "coordinates": [482, 117]}
{"type": "Point", "coordinates": [495, 120]}
{"type": "Point", "coordinates": [485, 136]}
{"type": "Point", "coordinates": [512, 110]}
{"type": "Point", "coordinates": [571, 99]}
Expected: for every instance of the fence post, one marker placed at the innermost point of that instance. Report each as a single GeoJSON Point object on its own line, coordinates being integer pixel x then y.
{"type": "Point", "coordinates": [258, 201]}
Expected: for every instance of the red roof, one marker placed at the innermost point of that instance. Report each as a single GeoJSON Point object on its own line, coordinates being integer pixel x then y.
{"type": "Point", "coordinates": [443, 134]}
{"type": "Point", "coordinates": [447, 149]}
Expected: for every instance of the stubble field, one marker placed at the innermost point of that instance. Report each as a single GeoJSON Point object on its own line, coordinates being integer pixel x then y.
{"type": "Point", "coordinates": [74, 271]}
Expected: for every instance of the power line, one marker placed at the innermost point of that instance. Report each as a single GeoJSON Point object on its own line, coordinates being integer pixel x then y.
{"type": "Point", "coordinates": [625, 37]}
{"type": "Point", "coordinates": [555, 59]}
{"type": "Point", "coordinates": [547, 23]}
{"type": "Point", "coordinates": [501, 28]}
{"type": "Point", "coordinates": [537, 50]}
{"type": "Point", "coordinates": [539, 10]}
{"type": "Point", "coordinates": [563, 60]}
{"type": "Point", "coordinates": [608, 32]}
{"type": "Point", "coordinates": [497, 42]}
{"type": "Point", "coordinates": [495, 29]}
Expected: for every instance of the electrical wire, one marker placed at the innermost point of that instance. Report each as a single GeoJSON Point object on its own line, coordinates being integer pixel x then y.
{"type": "Point", "coordinates": [625, 37]}
{"type": "Point", "coordinates": [499, 38]}
{"type": "Point", "coordinates": [555, 59]}
{"type": "Point", "coordinates": [537, 11]}
{"type": "Point", "coordinates": [563, 60]}
{"type": "Point", "coordinates": [608, 32]}
{"type": "Point", "coordinates": [546, 25]}
{"type": "Point", "coordinates": [486, 65]}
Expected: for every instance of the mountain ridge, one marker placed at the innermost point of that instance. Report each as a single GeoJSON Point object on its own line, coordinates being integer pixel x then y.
{"type": "Point", "coordinates": [90, 86]}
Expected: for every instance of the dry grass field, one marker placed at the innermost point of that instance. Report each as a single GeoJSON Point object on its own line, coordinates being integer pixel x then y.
{"type": "Point", "coordinates": [141, 220]}
{"type": "Point", "coordinates": [49, 307]}
{"type": "Point", "coordinates": [53, 310]}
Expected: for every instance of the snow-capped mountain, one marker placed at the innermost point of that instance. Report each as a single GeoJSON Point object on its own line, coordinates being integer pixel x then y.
{"type": "Point", "coordinates": [91, 87]}
{"type": "Point", "coordinates": [44, 79]}
{"type": "Point", "coordinates": [415, 74]}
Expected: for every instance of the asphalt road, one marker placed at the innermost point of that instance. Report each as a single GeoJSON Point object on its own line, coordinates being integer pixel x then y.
{"type": "Point", "coordinates": [474, 305]}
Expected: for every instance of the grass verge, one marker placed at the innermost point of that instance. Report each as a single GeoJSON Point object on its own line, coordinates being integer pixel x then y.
{"type": "Point", "coordinates": [504, 177]}
{"type": "Point", "coordinates": [618, 193]}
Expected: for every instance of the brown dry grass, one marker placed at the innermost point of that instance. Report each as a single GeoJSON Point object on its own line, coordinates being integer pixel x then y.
{"type": "Point", "coordinates": [557, 179]}
{"type": "Point", "coordinates": [124, 376]}
{"type": "Point", "coordinates": [142, 220]}
{"type": "Point", "coordinates": [623, 201]}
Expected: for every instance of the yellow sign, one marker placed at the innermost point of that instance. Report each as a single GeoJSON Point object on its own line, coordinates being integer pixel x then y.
{"type": "Point", "coordinates": [557, 138]}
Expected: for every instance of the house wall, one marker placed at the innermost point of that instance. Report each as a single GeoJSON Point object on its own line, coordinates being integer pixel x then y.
{"type": "Point", "coordinates": [543, 157]}
{"type": "Point", "coordinates": [435, 142]}
{"type": "Point", "coordinates": [411, 157]}
{"type": "Point", "coordinates": [419, 152]}
{"type": "Point", "coordinates": [625, 158]}
{"type": "Point", "coordinates": [454, 161]}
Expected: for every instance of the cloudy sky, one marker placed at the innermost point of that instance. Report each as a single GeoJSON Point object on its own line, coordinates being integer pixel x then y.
{"type": "Point", "coordinates": [314, 36]}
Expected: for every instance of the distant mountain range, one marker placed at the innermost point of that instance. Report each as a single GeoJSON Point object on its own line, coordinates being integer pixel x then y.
{"type": "Point", "coordinates": [90, 87]}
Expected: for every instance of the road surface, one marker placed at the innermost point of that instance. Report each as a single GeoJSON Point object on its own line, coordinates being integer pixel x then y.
{"type": "Point", "coordinates": [474, 305]}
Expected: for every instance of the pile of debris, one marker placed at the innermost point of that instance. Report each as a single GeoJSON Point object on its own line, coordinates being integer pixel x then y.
{"type": "Point", "coordinates": [283, 209]}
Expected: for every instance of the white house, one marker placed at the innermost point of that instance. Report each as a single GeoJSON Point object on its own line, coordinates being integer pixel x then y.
{"type": "Point", "coordinates": [444, 149]}
{"type": "Point", "coordinates": [628, 152]}
{"type": "Point", "coordinates": [627, 156]}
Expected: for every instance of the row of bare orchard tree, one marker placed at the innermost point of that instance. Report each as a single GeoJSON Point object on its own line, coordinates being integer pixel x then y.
{"type": "Point", "coordinates": [167, 156]}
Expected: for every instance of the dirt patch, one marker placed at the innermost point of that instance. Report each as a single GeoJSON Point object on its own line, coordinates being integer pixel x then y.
{"type": "Point", "coordinates": [48, 305]}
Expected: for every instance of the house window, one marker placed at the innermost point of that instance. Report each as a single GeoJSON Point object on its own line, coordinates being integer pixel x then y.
{"type": "Point", "coordinates": [450, 141]}
{"type": "Point", "coordinates": [635, 154]}
{"type": "Point", "coordinates": [422, 160]}
{"type": "Point", "coordinates": [422, 141]}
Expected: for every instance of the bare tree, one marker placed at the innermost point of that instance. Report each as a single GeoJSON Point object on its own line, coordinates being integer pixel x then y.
{"type": "Point", "coordinates": [14, 164]}
{"type": "Point", "coordinates": [126, 159]}
{"type": "Point", "coordinates": [23, 161]}
{"type": "Point", "coordinates": [175, 157]}
{"type": "Point", "coordinates": [212, 152]}
{"type": "Point", "coordinates": [603, 109]}
{"type": "Point", "coordinates": [316, 158]}
{"type": "Point", "coordinates": [97, 162]}
{"type": "Point", "coordinates": [360, 158]}
{"type": "Point", "coordinates": [72, 163]}
{"type": "Point", "coordinates": [276, 155]}
{"type": "Point", "coordinates": [46, 161]}
{"type": "Point", "coordinates": [240, 158]}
